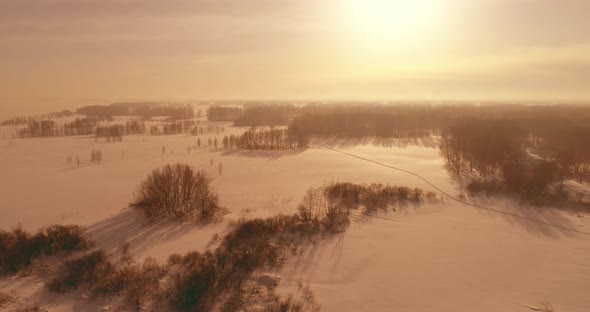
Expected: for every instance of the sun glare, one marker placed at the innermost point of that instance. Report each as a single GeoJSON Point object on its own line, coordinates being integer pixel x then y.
{"type": "Point", "coordinates": [391, 20]}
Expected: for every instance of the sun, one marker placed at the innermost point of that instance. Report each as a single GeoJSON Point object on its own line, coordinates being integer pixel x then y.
{"type": "Point", "coordinates": [390, 20]}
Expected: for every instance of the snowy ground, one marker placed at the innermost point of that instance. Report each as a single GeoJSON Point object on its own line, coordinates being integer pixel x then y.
{"type": "Point", "coordinates": [445, 257]}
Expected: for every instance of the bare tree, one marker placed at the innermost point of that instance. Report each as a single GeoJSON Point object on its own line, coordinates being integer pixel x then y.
{"type": "Point", "coordinates": [178, 192]}
{"type": "Point", "coordinates": [96, 156]}
{"type": "Point", "coordinates": [312, 207]}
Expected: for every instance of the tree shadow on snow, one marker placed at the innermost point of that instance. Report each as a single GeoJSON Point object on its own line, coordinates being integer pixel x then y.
{"type": "Point", "coordinates": [271, 155]}
{"type": "Point", "coordinates": [346, 142]}
{"type": "Point", "coordinates": [546, 222]}
{"type": "Point", "coordinates": [131, 227]}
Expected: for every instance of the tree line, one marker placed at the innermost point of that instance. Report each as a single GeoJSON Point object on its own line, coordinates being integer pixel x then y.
{"type": "Point", "coordinates": [38, 128]}
{"type": "Point", "coordinates": [267, 115]}
{"type": "Point", "coordinates": [23, 120]}
{"type": "Point", "coordinates": [85, 125]}
{"type": "Point", "coordinates": [187, 126]}
{"type": "Point", "coordinates": [265, 139]}
{"type": "Point", "coordinates": [334, 203]}
{"type": "Point", "coordinates": [81, 126]}
{"type": "Point", "coordinates": [364, 124]}
{"type": "Point", "coordinates": [144, 109]}
{"type": "Point", "coordinates": [111, 132]}
{"type": "Point", "coordinates": [223, 113]}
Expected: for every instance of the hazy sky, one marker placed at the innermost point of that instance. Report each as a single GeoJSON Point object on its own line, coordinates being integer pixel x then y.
{"type": "Point", "coordinates": [294, 49]}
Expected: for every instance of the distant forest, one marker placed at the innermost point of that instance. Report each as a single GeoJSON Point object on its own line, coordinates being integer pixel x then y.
{"type": "Point", "coordinates": [267, 115]}
{"type": "Point", "coordinates": [144, 109]}
{"type": "Point", "coordinates": [525, 157]}
{"type": "Point", "coordinates": [104, 127]}
{"type": "Point", "coordinates": [99, 119]}
{"type": "Point", "coordinates": [98, 126]}
{"type": "Point", "coordinates": [223, 113]}
{"type": "Point", "coordinates": [23, 120]}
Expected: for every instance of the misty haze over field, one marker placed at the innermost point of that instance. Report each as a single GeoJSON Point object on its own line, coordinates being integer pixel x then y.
{"type": "Point", "coordinates": [296, 155]}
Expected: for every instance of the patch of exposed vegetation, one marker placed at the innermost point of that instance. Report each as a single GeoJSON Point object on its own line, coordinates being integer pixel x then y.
{"type": "Point", "coordinates": [205, 280]}
{"type": "Point", "coordinates": [5, 299]}
{"type": "Point", "coordinates": [253, 296]}
{"type": "Point", "coordinates": [209, 279]}
{"type": "Point", "coordinates": [18, 248]}
{"type": "Point", "coordinates": [216, 278]}
{"type": "Point", "coordinates": [30, 308]}
{"type": "Point", "coordinates": [96, 272]}
{"type": "Point", "coordinates": [92, 268]}
{"type": "Point", "coordinates": [224, 278]}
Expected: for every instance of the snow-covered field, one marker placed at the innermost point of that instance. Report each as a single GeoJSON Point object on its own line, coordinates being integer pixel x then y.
{"type": "Point", "coordinates": [439, 257]}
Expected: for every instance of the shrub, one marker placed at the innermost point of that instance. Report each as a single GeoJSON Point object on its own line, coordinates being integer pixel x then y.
{"type": "Point", "coordinates": [177, 192]}
{"type": "Point", "coordinates": [431, 196]}
{"type": "Point", "coordinates": [30, 308]}
{"type": "Point", "coordinates": [311, 207]}
{"type": "Point", "coordinates": [18, 247]}
{"type": "Point", "coordinates": [330, 205]}
{"type": "Point", "coordinates": [418, 195]}
{"type": "Point", "coordinates": [205, 280]}
{"type": "Point", "coordinates": [90, 268]}
{"type": "Point", "coordinates": [254, 297]}
{"type": "Point", "coordinates": [95, 270]}
{"type": "Point", "coordinates": [211, 277]}
{"type": "Point", "coordinates": [144, 281]}
{"type": "Point", "coordinates": [174, 259]}
{"type": "Point", "coordinates": [139, 281]}
{"type": "Point", "coordinates": [5, 299]}
{"type": "Point", "coordinates": [66, 238]}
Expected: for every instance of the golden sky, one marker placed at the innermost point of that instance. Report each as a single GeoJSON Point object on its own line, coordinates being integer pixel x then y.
{"type": "Point", "coordinates": [295, 49]}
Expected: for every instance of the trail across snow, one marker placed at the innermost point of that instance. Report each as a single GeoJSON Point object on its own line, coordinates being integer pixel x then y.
{"type": "Point", "coordinates": [454, 197]}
